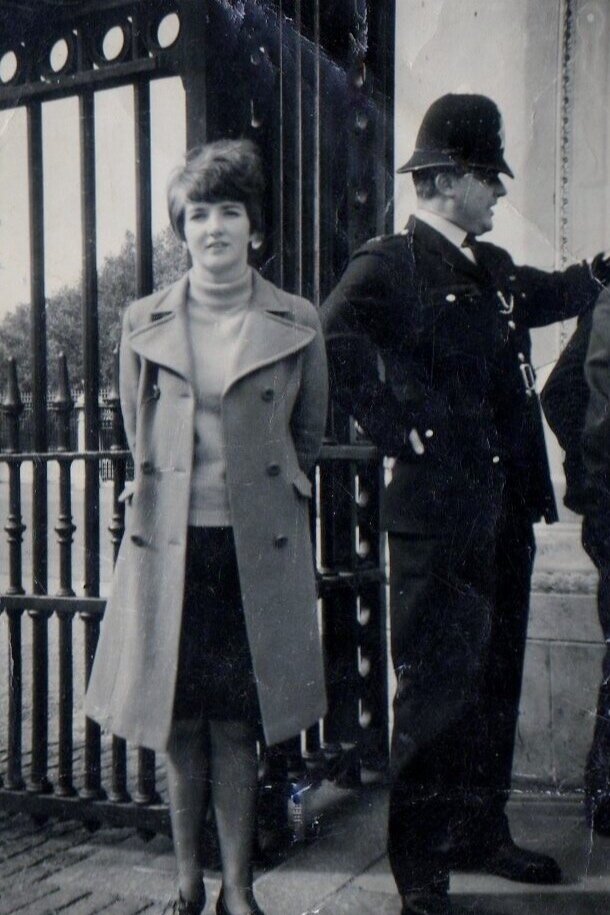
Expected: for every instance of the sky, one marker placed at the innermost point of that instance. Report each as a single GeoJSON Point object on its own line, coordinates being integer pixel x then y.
{"type": "Point", "coordinates": [115, 182]}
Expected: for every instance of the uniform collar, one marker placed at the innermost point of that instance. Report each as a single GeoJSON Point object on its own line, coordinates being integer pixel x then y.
{"type": "Point", "coordinates": [435, 244]}
{"type": "Point", "coordinates": [454, 234]}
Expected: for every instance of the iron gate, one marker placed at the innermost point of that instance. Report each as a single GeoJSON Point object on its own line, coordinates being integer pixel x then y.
{"type": "Point", "coordinates": [311, 82]}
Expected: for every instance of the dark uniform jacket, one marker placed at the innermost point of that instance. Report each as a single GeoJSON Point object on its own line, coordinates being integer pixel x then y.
{"type": "Point", "coordinates": [564, 400]}
{"type": "Point", "coordinates": [596, 436]}
{"type": "Point", "coordinates": [453, 337]}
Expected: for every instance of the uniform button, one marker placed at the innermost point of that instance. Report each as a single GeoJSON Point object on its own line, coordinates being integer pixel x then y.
{"type": "Point", "coordinates": [512, 325]}
{"type": "Point", "coordinates": [450, 297]}
{"type": "Point", "coordinates": [280, 541]}
{"type": "Point", "coordinates": [137, 540]}
{"type": "Point", "coordinates": [268, 394]}
{"type": "Point", "coordinates": [147, 467]}
{"type": "Point", "coordinates": [429, 433]}
{"type": "Point", "coordinates": [273, 470]}
{"type": "Point", "coordinates": [156, 392]}
{"type": "Point", "coordinates": [495, 459]}
{"type": "Point", "coordinates": [521, 357]}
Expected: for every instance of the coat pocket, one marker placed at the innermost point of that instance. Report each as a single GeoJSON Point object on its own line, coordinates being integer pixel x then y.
{"type": "Point", "coordinates": [302, 484]}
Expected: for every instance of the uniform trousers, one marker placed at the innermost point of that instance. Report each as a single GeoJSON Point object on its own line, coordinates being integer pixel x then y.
{"type": "Point", "coordinates": [596, 541]}
{"type": "Point", "coordinates": [467, 596]}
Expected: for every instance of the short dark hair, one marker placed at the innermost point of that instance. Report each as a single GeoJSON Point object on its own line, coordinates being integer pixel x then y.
{"type": "Point", "coordinates": [222, 170]}
{"type": "Point", "coordinates": [424, 179]}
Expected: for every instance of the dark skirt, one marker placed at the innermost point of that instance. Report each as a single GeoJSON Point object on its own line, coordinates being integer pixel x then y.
{"type": "Point", "coordinates": [215, 677]}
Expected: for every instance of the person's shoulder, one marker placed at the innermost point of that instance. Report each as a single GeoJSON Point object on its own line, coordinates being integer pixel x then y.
{"type": "Point", "coordinates": [299, 309]}
{"type": "Point", "coordinates": [384, 245]}
{"type": "Point", "coordinates": [602, 305]}
{"type": "Point", "coordinates": [138, 312]}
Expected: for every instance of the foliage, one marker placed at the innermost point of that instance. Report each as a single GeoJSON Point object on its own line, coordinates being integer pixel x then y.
{"type": "Point", "coordinates": [116, 288]}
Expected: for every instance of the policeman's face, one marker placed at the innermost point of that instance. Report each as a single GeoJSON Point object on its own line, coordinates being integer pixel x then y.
{"type": "Point", "coordinates": [474, 196]}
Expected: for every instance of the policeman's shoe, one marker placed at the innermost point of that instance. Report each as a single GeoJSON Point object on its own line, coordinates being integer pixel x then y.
{"type": "Point", "coordinates": [597, 809]}
{"type": "Point", "coordinates": [419, 903]}
{"type": "Point", "coordinates": [510, 861]}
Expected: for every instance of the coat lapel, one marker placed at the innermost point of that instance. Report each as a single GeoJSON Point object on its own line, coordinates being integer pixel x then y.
{"type": "Point", "coordinates": [165, 339]}
{"type": "Point", "coordinates": [269, 332]}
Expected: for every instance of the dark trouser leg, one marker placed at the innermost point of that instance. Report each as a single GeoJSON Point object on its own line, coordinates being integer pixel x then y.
{"type": "Point", "coordinates": [440, 609]}
{"type": "Point", "coordinates": [503, 675]}
{"type": "Point", "coordinates": [417, 827]}
{"type": "Point", "coordinates": [597, 770]}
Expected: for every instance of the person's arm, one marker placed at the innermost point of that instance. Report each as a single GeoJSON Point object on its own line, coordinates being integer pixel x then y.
{"type": "Point", "coordinates": [596, 438]}
{"type": "Point", "coordinates": [540, 297]}
{"type": "Point", "coordinates": [565, 395]}
{"type": "Point", "coordinates": [129, 376]}
{"type": "Point", "coordinates": [308, 420]}
{"type": "Point", "coordinates": [366, 313]}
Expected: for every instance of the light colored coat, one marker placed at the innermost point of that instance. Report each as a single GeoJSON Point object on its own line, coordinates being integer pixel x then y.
{"type": "Point", "coordinates": [273, 417]}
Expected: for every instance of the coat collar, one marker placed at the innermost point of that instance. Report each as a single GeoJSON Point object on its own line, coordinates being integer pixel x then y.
{"type": "Point", "coordinates": [436, 244]}
{"type": "Point", "coordinates": [269, 332]}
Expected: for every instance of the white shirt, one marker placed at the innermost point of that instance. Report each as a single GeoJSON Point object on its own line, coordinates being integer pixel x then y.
{"type": "Point", "coordinates": [454, 234]}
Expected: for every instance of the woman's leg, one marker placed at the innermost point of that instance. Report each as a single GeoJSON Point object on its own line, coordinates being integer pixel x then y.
{"type": "Point", "coordinates": [234, 784]}
{"type": "Point", "coordinates": [188, 783]}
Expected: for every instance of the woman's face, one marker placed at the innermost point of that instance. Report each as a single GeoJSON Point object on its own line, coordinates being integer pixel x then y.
{"type": "Point", "coordinates": [217, 236]}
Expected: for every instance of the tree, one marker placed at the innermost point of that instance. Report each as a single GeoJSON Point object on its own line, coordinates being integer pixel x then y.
{"type": "Point", "coordinates": [116, 288]}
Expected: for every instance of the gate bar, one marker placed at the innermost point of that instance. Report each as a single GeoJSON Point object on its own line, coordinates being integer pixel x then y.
{"type": "Point", "coordinates": [92, 787]}
{"type": "Point", "coordinates": [40, 638]}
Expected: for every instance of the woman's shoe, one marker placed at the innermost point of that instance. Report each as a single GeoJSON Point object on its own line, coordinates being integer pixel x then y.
{"type": "Point", "coordinates": [221, 908]}
{"type": "Point", "coordinates": [182, 906]}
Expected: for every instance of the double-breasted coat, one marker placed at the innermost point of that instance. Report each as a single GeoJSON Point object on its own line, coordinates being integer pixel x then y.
{"type": "Point", "coordinates": [273, 418]}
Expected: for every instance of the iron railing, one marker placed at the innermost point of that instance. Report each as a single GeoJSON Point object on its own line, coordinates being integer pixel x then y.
{"type": "Point", "coordinates": [312, 84]}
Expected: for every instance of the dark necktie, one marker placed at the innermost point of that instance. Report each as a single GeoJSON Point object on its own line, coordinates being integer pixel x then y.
{"type": "Point", "coordinates": [469, 244]}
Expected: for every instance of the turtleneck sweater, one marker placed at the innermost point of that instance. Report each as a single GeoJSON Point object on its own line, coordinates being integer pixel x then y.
{"type": "Point", "coordinates": [216, 313]}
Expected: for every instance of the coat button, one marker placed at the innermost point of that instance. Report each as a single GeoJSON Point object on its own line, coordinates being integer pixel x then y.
{"type": "Point", "coordinates": [512, 325]}
{"type": "Point", "coordinates": [156, 392]}
{"type": "Point", "coordinates": [268, 394]}
{"type": "Point", "coordinates": [273, 470]}
{"type": "Point", "coordinates": [495, 459]}
{"type": "Point", "coordinates": [521, 357]}
{"type": "Point", "coordinates": [147, 467]}
{"type": "Point", "coordinates": [450, 297]}
{"type": "Point", "coordinates": [139, 541]}
{"type": "Point", "coordinates": [280, 541]}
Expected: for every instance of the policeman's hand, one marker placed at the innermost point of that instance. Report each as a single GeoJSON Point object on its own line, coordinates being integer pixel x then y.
{"type": "Point", "coordinates": [600, 267]}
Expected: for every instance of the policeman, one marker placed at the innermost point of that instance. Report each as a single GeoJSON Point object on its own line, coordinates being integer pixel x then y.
{"type": "Point", "coordinates": [448, 318]}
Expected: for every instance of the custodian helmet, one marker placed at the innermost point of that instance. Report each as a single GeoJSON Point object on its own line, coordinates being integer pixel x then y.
{"type": "Point", "coordinates": [462, 130]}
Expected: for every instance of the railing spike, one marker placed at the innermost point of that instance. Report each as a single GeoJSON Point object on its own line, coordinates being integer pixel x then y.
{"type": "Point", "coordinates": [113, 393]}
{"type": "Point", "coordinates": [12, 402]}
{"type": "Point", "coordinates": [63, 401]}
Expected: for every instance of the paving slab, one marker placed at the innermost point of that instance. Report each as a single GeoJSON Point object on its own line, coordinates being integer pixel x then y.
{"type": "Point", "coordinates": [345, 869]}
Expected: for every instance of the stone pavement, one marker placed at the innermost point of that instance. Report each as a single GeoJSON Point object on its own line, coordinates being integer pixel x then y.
{"type": "Point", "coordinates": [62, 868]}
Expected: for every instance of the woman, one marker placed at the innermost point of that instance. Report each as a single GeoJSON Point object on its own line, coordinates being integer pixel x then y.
{"type": "Point", "coordinates": [211, 632]}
